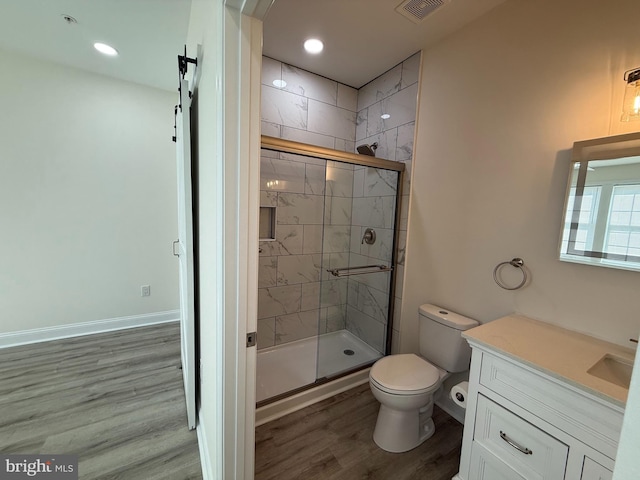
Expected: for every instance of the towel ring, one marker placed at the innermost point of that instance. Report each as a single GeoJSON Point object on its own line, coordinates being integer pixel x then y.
{"type": "Point", "coordinates": [517, 263]}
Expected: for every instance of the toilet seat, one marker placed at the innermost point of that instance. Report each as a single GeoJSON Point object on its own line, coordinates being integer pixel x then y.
{"type": "Point", "coordinates": [404, 374]}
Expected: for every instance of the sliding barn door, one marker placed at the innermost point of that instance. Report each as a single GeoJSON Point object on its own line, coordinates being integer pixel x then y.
{"type": "Point", "coordinates": [184, 250]}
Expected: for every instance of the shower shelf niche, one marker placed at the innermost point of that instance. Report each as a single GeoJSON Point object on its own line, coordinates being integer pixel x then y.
{"type": "Point", "coordinates": [267, 229]}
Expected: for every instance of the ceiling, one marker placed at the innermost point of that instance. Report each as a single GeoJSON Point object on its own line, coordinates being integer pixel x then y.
{"type": "Point", "coordinates": [363, 38]}
{"type": "Point", "coordinates": [149, 34]}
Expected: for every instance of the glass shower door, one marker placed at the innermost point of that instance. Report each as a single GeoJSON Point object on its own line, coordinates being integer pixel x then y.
{"type": "Point", "coordinates": [358, 257]}
{"type": "Point", "coordinates": [316, 208]}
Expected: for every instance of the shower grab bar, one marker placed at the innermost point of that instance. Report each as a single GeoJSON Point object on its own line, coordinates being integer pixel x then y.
{"type": "Point", "coordinates": [346, 271]}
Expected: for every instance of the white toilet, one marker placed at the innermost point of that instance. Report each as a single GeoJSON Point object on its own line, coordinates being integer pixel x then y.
{"type": "Point", "coordinates": [405, 384]}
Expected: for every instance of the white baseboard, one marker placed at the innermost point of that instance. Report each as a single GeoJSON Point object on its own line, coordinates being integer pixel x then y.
{"type": "Point", "coordinates": [37, 335]}
{"type": "Point", "coordinates": [203, 447]}
{"type": "Point", "coordinates": [280, 408]}
{"type": "Point", "coordinates": [452, 409]}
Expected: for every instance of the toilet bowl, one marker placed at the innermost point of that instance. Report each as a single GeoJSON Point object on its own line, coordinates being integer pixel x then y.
{"type": "Point", "coordinates": [405, 384]}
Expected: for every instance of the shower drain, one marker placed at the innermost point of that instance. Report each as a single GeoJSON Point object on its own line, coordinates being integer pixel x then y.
{"type": "Point", "coordinates": [348, 351]}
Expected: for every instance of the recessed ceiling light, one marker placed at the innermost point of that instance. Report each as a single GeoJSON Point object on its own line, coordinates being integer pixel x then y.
{"type": "Point", "coordinates": [69, 19]}
{"type": "Point", "coordinates": [384, 116]}
{"type": "Point", "coordinates": [106, 49]}
{"type": "Point", "coordinates": [313, 45]}
{"type": "Point", "coordinates": [279, 83]}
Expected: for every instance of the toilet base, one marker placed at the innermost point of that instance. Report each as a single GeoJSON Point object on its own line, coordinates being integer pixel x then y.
{"type": "Point", "coordinates": [399, 431]}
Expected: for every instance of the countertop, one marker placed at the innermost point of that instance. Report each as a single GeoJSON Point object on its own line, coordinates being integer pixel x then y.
{"type": "Point", "coordinates": [561, 353]}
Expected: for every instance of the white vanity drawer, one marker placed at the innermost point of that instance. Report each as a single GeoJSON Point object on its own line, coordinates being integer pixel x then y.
{"type": "Point", "coordinates": [486, 466]}
{"type": "Point", "coordinates": [586, 418]}
{"type": "Point", "coordinates": [594, 471]}
{"type": "Point", "coordinates": [531, 452]}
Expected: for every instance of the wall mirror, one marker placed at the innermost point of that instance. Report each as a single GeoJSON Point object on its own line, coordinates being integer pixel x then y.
{"type": "Point", "coordinates": [602, 207]}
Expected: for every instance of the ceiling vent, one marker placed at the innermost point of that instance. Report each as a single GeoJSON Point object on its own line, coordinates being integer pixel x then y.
{"type": "Point", "coordinates": [418, 10]}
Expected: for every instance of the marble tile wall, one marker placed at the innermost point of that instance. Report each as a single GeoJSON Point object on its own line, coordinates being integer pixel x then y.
{"type": "Point", "coordinates": [296, 297]}
{"type": "Point", "coordinates": [394, 93]}
{"type": "Point", "coordinates": [309, 108]}
{"type": "Point", "coordinates": [336, 244]}
{"type": "Point", "coordinates": [374, 204]}
{"type": "Point", "coordinates": [293, 302]}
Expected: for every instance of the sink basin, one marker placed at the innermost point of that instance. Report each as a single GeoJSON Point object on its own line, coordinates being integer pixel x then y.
{"type": "Point", "coordinates": [613, 369]}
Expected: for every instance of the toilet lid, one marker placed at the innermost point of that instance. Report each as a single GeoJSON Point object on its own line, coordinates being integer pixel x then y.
{"type": "Point", "coordinates": [405, 372]}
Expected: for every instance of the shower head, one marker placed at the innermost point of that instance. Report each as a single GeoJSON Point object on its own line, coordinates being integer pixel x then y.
{"type": "Point", "coordinates": [370, 150]}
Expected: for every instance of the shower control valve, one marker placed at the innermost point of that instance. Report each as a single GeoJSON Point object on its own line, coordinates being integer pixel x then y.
{"type": "Point", "coordinates": [369, 236]}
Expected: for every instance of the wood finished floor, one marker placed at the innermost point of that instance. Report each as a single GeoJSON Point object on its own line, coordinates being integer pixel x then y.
{"type": "Point", "coordinates": [116, 400]}
{"type": "Point", "coordinates": [333, 440]}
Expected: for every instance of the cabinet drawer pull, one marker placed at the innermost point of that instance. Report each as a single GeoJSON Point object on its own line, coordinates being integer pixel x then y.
{"type": "Point", "coordinates": [520, 448]}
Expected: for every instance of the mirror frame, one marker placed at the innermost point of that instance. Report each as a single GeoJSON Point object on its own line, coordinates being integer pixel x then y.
{"type": "Point", "coordinates": [607, 148]}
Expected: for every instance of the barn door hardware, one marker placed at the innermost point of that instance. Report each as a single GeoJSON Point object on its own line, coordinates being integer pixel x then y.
{"type": "Point", "coordinates": [184, 61]}
{"type": "Point", "coordinates": [183, 65]}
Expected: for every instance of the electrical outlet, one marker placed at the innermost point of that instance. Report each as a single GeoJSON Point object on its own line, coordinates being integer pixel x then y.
{"type": "Point", "coordinates": [145, 291]}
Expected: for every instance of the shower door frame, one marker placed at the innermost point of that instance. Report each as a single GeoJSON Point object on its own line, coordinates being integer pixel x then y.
{"type": "Point", "coordinates": [288, 146]}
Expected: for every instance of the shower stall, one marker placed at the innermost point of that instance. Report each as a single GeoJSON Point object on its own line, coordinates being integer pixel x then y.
{"type": "Point", "coordinates": [328, 236]}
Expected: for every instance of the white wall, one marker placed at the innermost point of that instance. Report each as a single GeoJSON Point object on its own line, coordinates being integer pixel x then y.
{"type": "Point", "coordinates": [87, 196]}
{"type": "Point", "coordinates": [501, 103]}
{"type": "Point", "coordinates": [208, 151]}
{"type": "Point", "coordinates": [228, 163]}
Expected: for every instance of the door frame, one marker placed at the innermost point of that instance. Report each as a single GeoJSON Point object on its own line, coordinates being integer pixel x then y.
{"type": "Point", "coordinates": [228, 169]}
{"type": "Point", "coordinates": [242, 73]}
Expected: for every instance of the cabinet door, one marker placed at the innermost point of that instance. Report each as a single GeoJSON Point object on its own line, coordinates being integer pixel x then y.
{"type": "Point", "coordinates": [594, 471]}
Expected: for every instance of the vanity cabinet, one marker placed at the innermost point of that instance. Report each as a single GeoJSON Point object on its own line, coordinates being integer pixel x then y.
{"type": "Point", "coordinates": [523, 424]}
{"type": "Point", "coordinates": [595, 471]}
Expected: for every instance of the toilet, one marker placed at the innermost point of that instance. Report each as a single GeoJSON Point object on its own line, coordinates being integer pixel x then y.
{"type": "Point", "coordinates": [405, 384]}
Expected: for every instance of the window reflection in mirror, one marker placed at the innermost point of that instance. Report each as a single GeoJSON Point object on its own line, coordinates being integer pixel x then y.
{"type": "Point", "coordinates": [602, 215]}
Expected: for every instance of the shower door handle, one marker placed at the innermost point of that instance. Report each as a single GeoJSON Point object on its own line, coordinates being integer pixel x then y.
{"type": "Point", "coordinates": [174, 249]}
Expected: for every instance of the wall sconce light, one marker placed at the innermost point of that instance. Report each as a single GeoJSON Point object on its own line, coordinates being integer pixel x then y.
{"type": "Point", "coordinates": [631, 103]}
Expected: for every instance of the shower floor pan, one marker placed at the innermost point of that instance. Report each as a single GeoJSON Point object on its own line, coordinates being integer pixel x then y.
{"type": "Point", "coordinates": [287, 367]}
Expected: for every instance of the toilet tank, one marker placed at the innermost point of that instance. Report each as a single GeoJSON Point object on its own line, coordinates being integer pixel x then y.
{"type": "Point", "coordinates": [441, 340]}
